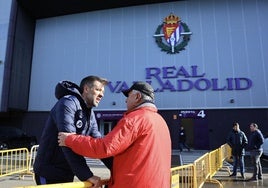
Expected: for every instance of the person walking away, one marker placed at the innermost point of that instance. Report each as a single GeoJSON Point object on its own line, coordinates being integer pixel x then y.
{"type": "Point", "coordinates": [140, 143]}
{"type": "Point", "coordinates": [72, 113]}
{"type": "Point", "coordinates": [237, 140]}
{"type": "Point", "coordinates": [256, 141]}
{"type": "Point", "coordinates": [182, 140]}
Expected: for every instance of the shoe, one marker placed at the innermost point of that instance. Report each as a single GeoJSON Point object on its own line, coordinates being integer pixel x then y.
{"type": "Point", "coordinates": [260, 178]}
{"type": "Point", "coordinates": [243, 176]}
{"type": "Point", "coordinates": [232, 175]}
{"type": "Point", "coordinates": [252, 179]}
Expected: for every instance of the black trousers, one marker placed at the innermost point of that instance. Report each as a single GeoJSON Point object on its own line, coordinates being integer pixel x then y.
{"type": "Point", "coordinates": [43, 181]}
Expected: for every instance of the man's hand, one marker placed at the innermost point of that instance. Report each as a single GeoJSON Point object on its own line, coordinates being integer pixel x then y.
{"type": "Point", "coordinates": [61, 138]}
{"type": "Point", "coordinates": [96, 181]}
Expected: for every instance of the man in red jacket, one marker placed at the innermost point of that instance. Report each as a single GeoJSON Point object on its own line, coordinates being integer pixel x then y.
{"type": "Point", "coordinates": [140, 143]}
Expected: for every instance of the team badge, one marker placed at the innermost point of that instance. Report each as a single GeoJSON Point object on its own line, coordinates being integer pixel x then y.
{"type": "Point", "coordinates": [176, 35]}
{"type": "Point", "coordinates": [80, 119]}
{"type": "Point", "coordinates": [79, 124]}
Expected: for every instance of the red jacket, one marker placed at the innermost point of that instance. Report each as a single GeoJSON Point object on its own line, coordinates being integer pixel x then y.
{"type": "Point", "coordinates": [141, 146]}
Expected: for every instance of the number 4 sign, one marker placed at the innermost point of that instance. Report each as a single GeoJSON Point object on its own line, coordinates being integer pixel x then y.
{"type": "Point", "coordinates": [201, 114]}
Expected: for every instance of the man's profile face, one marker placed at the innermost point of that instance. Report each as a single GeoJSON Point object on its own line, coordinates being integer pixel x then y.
{"type": "Point", "coordinates": [93, 95]}
{"type": "Point", "coordinates": [133, 99]}
{"type": "Point", "coordinates": [235, 128]}
{"type": "Point", "coordinates": [251, 127]}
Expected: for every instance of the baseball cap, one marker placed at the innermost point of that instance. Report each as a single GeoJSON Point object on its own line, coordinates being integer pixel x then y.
{"type": "Point", "coordinates": [143, 87]}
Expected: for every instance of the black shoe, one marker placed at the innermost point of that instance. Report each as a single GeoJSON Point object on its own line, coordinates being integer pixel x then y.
{"type": "Point", "coordinates": [252, 179]}
{"type": "Point", "coordinates": [232, 175]}
{"type": "Point", "coordinates": [260, 178]}
{"type": "Point", "coordinates": [243, 176]}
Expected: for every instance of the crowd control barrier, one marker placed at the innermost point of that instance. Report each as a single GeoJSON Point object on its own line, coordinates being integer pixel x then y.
{"type": "Point", "coordinates": [202, 170]}
{"type": "Point", "coordinates": [183, 176]}
{"type": "Point", "coordinates": [84, 184]}
{"type": "Point", "coordinates": [31, 160]}
{"type": "Point", "coordinates": [14, 161]}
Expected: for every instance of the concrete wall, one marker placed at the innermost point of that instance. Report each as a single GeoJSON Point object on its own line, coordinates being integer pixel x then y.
{"type": "Point", "coordinates": [5, 9]}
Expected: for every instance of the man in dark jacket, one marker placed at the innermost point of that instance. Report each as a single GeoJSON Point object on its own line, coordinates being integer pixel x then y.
{"type": "Point", "coordinates": [237, 140]}
{"type": "Point", "coordinates": [72, 113]}
{"type": "Point", "coordinates": [182, 140]}
{"type": "Point", "coordinates": [256, 141]}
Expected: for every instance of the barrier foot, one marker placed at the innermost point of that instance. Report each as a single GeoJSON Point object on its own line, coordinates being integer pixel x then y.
{"type": "Point", "coordinates": [21, 176]}
{"type": "Point", "coordinates": [215, 182]}
{"type": "Point", "coordinates": [227, 169]}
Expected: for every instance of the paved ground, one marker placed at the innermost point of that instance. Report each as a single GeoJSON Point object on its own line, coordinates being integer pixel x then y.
{"type": "Point", "coordinates": [223, 176]}
{"type": "Point", "coordinates": [238, 182]}
{"type": "Point", "coordinates": [185, 157]}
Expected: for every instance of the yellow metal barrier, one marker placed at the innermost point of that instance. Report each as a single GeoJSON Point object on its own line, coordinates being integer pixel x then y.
{"type": "Point", "coordinates": [31, 159]}
{"type": "Point", "coordinates": [196, 174]}
{"type": "Point", "coordinates": [192, 175]}
{"type": "Point", "coordinates": [65, 185]}
{"type": "Point", "coordinates": [215, 165]}
{"type": "Point", "coordinates": [84, 184]}
{"type": "Point", "coordinates": [13, 161]}
{"type": "Point", "coordinates": [183, 176]}
{"type": "Point", "coordinates": [226, 153]}
{"type": "Point", "coordinates": [202, 169]}
{"type": "Point", "coordinates": [215, 161]}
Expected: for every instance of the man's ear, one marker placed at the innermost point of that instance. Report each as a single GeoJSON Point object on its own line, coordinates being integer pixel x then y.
{"type": "Point", "coordinates": [138, 96]}
{"type": "Point", "coordinates": [86, 89]}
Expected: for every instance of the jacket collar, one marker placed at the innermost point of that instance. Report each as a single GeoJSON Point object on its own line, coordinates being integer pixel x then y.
{"type": "Point", "coordinates": [142, 105]}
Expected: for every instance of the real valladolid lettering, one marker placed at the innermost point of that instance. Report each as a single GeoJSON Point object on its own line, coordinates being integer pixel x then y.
{"type": "Point", "coordinates": [179, 79]}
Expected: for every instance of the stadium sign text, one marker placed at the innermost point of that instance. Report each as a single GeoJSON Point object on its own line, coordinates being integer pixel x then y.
{"type": "Point", "coordinates": [181, 79]}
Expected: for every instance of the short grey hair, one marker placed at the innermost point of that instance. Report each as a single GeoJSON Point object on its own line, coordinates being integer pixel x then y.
{"type": "Point", "coordinates": [144, 96]}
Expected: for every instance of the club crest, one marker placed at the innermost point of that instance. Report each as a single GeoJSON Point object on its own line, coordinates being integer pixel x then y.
{"type": "Point", "coordinates": [172, 35]}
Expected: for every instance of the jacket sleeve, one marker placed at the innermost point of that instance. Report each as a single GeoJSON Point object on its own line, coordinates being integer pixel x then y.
{"type": "Point", "coordinates": [260, 139]}
{"type": "Point", "coordinates": [94, 126]}
{"type": "Point", "coordinates": [65, 123]}
{"type": "Point", "coordinates": [121, 137]}
{"type": "Point", "coordinates": [245, 140]}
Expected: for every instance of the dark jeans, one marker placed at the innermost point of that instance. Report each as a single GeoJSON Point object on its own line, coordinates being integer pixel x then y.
{"type": "Point", "coordinates": [238, 159]}
{"type": "Point", "coordinates": [183, 145]}
{"type": "Point", "coordinates": [256, 162]}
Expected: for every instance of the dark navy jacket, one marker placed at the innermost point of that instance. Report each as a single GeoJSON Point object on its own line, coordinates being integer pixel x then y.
{"type": "Point", "coordinates": [69, 114]}
{"type": "Point", "coordinates": [237, 140]}
{"type": "Point", "coordinates": [256, 140]}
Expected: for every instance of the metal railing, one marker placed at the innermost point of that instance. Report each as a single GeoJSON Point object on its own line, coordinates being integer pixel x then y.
{"type": "Point", "coordinates": [20, 161]}
{"type": "Point", "coordinates": [14, 161]}
{"type": "Point", "coordinates": [183, 176]}
{"type": "Point", "coordinates": [31, 160]}
{"type": "Point", "coordinates": [201, 170]}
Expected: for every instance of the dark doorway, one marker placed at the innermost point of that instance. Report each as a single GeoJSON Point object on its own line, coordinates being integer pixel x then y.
{"type": "Point", "coordinates": [197, 132]}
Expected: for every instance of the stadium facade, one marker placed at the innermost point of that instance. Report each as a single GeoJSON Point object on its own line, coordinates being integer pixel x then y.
{"type": "Point", "coordinates": [206, 59]}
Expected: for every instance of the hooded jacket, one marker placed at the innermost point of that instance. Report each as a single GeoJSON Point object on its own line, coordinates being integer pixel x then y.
{"type": "Point", "coordinates": [141, 146]}
{"type": "Point", "coordinates": [69, 114]}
